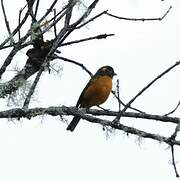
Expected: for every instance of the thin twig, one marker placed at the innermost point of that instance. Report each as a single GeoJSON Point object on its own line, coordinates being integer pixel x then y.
{"type": "Point", "coordinates": [117, 88]}
{"type": "Point", "coordinates": [55, 29]}
{"type": "Point", "coordinates": [140, 19]}
{"type": "Point", "coordinates": [171, 139]}
{"type": "Point", "coordinates": [36, 9]}
{"type": "Point", "coordinates": [173, 109]}
{"type": "Point", "coordinates": [101, 36]}
{"type": "Point", "coordinates": [117, 118]}
{"type": "Point", "coordinates": [74, 62]}
{"type": "Point", "coordinates": [19, 21]}
{"type": "Point", "coordinates": [92, 19]}
{"type": "Point", "coordinates": [7, 23]}
{"type": "Point", "coordinates": [173, 161]}
{"type": "Point", "coordinates": [120, 101]}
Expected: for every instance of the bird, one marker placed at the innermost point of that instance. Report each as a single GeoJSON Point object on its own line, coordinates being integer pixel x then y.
{"type": "Point", "coordinates": [95, 92]}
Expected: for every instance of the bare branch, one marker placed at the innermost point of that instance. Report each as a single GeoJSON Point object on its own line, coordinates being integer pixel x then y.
{"type": "Point", "coordinates": [15, 30]}
{"type": "Point", "coordinates": [56, 111]}
{"type": "Point", "coordinates": [74, 62]}
{"type": "Point", "coordinates": [55, 29]}
{"type": "Point", "coordinates": [120, 101]}
{"type": "Point", "coordinates": [24, 20]}
{"type": "Point", "coordinates": [117, 118]}
{"type": "Point", "coordinates": [173, 161]}
{"type": "Point", "coordinates": [13, 52]}
{"type": "Point", "coordinates": [9, 59]}
{"type": "Point", "coordinates": [151, 83]}
{"type": "Point", "coordinates": [31, 91]}
{"type": "Point", "coordinates": [101, 36]}
{"type": "Point", "coordinates": [171, 112]}
{"type": "Point", "coordinates": [7, 23]}
{"type": "Point", "coordinates": [146, 116]}
{"type": "Point", "coordinates": [55, 20]}
{"type": "Point", "coordinates": [73, 26]}
{"type": "Point", "coordinates": [30, 4]}
{"type": "Point", "coordinates": [36, 9]}
{"type": "Point", "coordinates": [140, 19]}
{"type": "Point", "coordinates": [19, 21]}
{"type": "Point", "coordinates": [91, 19]}
{"type": "Point", "coordinates": [49, 11]}
{"type": "Point", "coordinates": [88, 11]}
{"type": "Point", "coordinates": [118, 95]}
{"type": "Point", "coordinates": [69, 12]}
{"type": "Point", "coordinates": [12, 85]}
{"type": "Point", "coordinates": [172, 138]}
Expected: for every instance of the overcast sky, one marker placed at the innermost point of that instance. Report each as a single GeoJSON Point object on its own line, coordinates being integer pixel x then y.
{"type": "Point", "coordinates": [42, 148]}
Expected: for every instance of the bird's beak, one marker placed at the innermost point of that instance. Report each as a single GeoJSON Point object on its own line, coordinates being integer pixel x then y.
{"type": "Point", "coordinates": [114, 74]}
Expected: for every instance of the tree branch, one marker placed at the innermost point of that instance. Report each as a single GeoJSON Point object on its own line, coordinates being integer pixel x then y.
{"type": "Point", "coordinates": [101, 36]}
{"type": "Point", "coordinates": [56, 111]}
{"type": "Point", "coordinates": [15, 30]}
{"type": "Point", "coordinates": [171, 112]}
{"type": "Point", "coordinates": [7, 23]}
{"type": "Point", "coordinates": [151, 83]}
{"type": "Point", "coordinates": [74, 62]}
{"type": "Point", "coordinates": [140, 19]}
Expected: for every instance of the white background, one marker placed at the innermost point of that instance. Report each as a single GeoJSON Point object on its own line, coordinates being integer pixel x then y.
{"type": "Point", "coordinates": [42, 148]}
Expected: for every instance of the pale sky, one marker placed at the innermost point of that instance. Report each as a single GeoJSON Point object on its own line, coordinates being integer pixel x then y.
{"type": "Point", "coordinates": [42, 148]}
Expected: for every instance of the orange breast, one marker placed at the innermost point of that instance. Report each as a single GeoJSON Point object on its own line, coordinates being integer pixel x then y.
{"type": "Point", "coordinates": [97, 92]}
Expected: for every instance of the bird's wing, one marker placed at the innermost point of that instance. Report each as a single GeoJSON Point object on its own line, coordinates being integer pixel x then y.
{"type": "Point", "coordinates": [82, 93]}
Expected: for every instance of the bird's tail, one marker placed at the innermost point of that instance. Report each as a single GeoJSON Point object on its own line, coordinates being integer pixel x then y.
{"type": "Point", "coordinates": [73, 123]}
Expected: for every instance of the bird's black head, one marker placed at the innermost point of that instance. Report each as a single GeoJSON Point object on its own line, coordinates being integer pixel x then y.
{"type": "Point", "coordinates": [106, 70]}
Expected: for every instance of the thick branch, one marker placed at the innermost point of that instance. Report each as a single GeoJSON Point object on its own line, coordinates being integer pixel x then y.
{"type": "Point", "coordinates": [56, 111]}
{"type": "Point", "coordinates": [9, 59]}
{"type": "Point", "coordinates": [12, 85]}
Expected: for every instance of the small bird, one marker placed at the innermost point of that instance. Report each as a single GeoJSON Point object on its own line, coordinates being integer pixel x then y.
{"type": "Point", "coordinates": [95, 92]}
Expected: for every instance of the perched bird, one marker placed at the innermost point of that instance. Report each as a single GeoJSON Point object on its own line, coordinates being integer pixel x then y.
{"type": "Point", "coordinates": [95, 93]}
